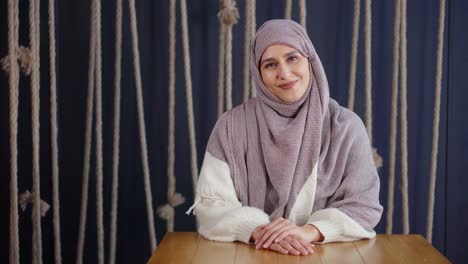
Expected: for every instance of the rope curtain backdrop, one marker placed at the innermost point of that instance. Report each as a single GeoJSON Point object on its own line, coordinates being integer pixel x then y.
{"type": "Point", "coordinates": [26, 60]}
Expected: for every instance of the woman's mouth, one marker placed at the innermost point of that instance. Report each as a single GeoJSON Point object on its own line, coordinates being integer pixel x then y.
{"type": "Point", "coordinates": [288, 85]}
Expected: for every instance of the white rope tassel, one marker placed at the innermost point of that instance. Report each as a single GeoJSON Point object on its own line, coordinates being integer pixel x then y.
{"type": "Point", "coordinates": [253, 26]}
{"type": "Point", "coordinates": [404, 122]}
{"type": "Point", "coordinates": [435, 128]}
{"type": "Point", "coordinates": [28, 198]}
{"type": "Point", "coordinates": [287, 9]}
{"type": "Point", "coordinates": [141, 122]}
{"type": "Point", "coordinates": [54, 135]}
{"type": "Point", "coordinates": [34, 35]}
{"type": "Point", "coordinates": [13, 24]}
{"type": "Point", "coordinates": [247, 42]}
{"type": "Point", "coordinates": [222, 41]}
{"type": "Point", "coordinates": [116, 145]}
{"type": "Point", "coordinates": [393, 125]}
{"type": "Point", "coordinates": [188, 82]}
{"type": "Point", "coordinates": [354, 51]}
{"type": "Point", "coordinates": [23, 55]}
{"type": "Point", "coordinates": [303, 13]}
{"type": "Point", "coordinates": [87, 146]}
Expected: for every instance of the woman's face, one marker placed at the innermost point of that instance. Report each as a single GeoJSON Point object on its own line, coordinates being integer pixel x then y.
{"type": "Point", "coordinates": [285, 72]}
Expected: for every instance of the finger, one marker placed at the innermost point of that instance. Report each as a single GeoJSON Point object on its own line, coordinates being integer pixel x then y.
{"type": "Point", "coordinates": [285, 234]}
{"type": "Point", "coordinates": [309, 246]}
{"type": "Point", "coordinates": [298, 246]}
{"type": "Point", "coordinates": [286, 245]}
{"type": "Point", "coordinates": [281, 231]}
{"type": "Point", "coordinates": [270, 230]}
{"type": "Point", "coordinates": [278, 248]}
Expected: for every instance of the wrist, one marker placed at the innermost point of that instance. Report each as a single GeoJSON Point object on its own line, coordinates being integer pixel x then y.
{"type": "Point", "coordinates": [315, 234]}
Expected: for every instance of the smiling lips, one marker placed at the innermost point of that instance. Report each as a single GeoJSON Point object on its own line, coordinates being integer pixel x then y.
{"type": "Point", "coordinates": [288, 85]}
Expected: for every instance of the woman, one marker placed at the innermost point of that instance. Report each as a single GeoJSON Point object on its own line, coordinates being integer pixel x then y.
{"type": "Point", "coordinates": [290, 167]}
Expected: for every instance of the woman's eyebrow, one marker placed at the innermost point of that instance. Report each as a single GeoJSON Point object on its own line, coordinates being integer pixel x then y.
{"type": "Point", "coordinates": [285, 55]}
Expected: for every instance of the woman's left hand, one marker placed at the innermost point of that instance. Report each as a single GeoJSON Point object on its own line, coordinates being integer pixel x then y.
{"type": "Point", "coordinates": [282, 228]}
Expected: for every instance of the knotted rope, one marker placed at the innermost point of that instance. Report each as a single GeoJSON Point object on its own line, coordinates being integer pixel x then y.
{"type": "Point", "coordinates": [174, 199]}
{"type": "Point", "coordinates": [188, 85]}
{"type": "Point", "coordinates": [228, 15]}
{"type": "Point", "coordinates": [22, 55]}
{"type": "Point", "coordinates": [28, 198]}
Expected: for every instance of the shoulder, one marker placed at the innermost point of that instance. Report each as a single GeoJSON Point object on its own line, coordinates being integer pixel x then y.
{"type": "Point", "coordinates": [343, 119]}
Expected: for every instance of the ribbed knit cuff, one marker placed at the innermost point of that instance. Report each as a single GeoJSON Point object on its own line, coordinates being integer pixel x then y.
{"type": "Point", "coordinates": [245, 227]}
{"type": "Point", "coordinates": [329, 230]}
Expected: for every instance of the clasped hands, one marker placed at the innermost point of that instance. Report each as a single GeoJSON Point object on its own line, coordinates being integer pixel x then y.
{"type": "Point", "coordinates": [285, 237]}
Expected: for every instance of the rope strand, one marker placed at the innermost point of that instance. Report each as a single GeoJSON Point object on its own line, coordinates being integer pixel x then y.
{"type": "Point", "coordinates": [34, 23]}
{"type": "Point", "coordinates": [354, 50]}
{"type": "Point", "coordinates": [13, 24]}
{"type": "Point", "coordinates": [435, 128]}
{"type": "Point", "coordinates": [404, 122]}
{"type": "Point", "coordinates": [141, 122]}
{"type": "Point", "coordinates": [393, 125]}
{"type": "Point", "coordinates": [54, 134]}
{"type": "Point", "coordinates": [87, 146]}
{"type": "Point", "coordinates": [116, 143]}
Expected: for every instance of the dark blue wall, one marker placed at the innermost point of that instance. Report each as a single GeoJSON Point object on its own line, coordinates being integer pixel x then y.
{"type": "Point", "coordinates": [329, 24]}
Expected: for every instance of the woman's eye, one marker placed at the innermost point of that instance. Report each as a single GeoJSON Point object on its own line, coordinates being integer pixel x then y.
{"type": "Point", "coordinates": [293, 58]}
{"type": "Point", "coordinates": [269, 65]}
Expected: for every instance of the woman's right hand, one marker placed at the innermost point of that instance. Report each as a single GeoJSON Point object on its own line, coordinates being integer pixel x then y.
{"type": "Point", "coordinates": [293, 245]}
{"type": "Point", "coordinates": [288, 245]}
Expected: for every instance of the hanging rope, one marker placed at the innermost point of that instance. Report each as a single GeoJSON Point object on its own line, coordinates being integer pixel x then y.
{"type": "Point", "coordinates": [87, 146]}
{"type": "Point", "coordinates": [98, 127]}
{"type": "Point", "coordinates": [174, 199]}
{"type": "Point", "coordinates": [404, 122]}
{"type": "Point", "coordinates": [28, 198]}
{"type": "Point", "coordinates": [141, 122]}
{"type": "Point", "coordinates": [393, 125]}
{"type": "Point", "coordinates": [253, 26]}
{"type": "Point", "coordinates": [435, 128]}
{"type": "Point", "coordinates": [34, 35]}
{"type": "Point", "coordinates": [354, 51]}
{"type": "Point", "coordinates": [247, 41]}
{"type": "Point", "coordinates": [188, 84]}
{"type": "Point", "coordinates": [116, 145]}
{"type": "Point", "coordinates": [303, 13]}
{"type": "Point", "coordinates": [54, 134]}
{"type": "Point", "coordinates": [368, 66]}
{"type": "Point", "coordinates": [287, 9]}
{"type": "Point", "coordinates": [222, 41]}
{"type": "Point", "coordinates": [228, 15]}
{"type": "Point", "coordinates": [13, 71]}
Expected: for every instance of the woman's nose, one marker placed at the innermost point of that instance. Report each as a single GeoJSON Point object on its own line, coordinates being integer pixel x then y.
{"type": "Point", "coordinates": [284, 71]}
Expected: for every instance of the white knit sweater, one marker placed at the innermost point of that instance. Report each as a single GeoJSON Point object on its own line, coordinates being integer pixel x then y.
{"type": "Point", "coordinates": [222, 217]}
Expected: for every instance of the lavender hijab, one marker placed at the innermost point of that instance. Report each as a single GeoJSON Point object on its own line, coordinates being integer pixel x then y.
{"type": "Point", "coordinates": [272, 146]}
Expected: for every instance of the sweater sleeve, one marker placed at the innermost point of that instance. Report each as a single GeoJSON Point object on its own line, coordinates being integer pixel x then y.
{"type": "Point", "coordinates": [353, 210]}
{"type": "Point", "coordinates": [220, 215]}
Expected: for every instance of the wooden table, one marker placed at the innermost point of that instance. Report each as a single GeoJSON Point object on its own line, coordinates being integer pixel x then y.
{"type": "Point", "coordinates": [189, 247]}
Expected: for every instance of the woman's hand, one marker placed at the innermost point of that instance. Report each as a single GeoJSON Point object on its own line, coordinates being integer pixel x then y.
{"type": "Point", "coordinates": [281, 228]}
{"type": "Point", "coordinates": [291, 245]}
